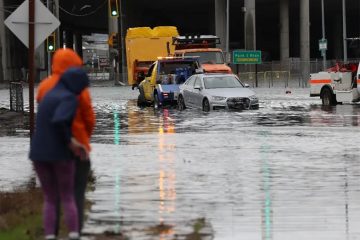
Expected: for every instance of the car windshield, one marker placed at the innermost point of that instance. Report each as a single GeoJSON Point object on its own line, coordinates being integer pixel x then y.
{"type": "Point", "coordinates": [222, 82]}
{"type": "Point", "coordinates": [208, 57]}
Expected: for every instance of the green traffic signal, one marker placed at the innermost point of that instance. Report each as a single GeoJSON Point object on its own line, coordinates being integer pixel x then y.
{"type": "Point", "coordinates": [114, 8]}
{"type": "Point", "coordinates": [50, 43]}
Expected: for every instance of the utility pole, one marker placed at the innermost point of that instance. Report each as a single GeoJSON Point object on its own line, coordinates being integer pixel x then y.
{"type": "Point", "coordinates": [344, 30]}
{"type": "Point", "coordinates": [227, 29]}
{"type": "Point", "coordinates": [122, 40]}
{"type": "Point", "coordinates": [50, 7]}
{"type": "Point", "coordinates": [31, 63]}
{"type": "Point", "coordinates": [323, 52]}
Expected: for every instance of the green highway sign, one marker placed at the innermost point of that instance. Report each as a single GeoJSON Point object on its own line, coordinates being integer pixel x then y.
{"type": "Point", "coordinates": [246, 57]}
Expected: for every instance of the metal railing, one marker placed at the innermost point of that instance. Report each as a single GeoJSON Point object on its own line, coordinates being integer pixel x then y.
{"type": "Point", "coordinates": [292, 73]}
{"type": "Point", "coordinates": [16, 97]}
{"type": "Point", "coordinates": [98, 73]}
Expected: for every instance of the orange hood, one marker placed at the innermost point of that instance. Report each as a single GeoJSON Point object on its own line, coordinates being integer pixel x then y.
{"type": "Point", "coordinates": [216, 68]}
{"type": "Point", "coordinates": [65, 58]}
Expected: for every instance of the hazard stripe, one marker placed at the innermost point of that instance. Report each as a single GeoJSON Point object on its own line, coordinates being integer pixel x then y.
{"type": "Point", "coordinates": [320, 81]}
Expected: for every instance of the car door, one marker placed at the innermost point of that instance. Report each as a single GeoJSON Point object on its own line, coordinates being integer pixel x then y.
{"type": "Point", "coordinates": [149, 83]}
{"type": "Point", "coordinates": [197, 95]}
{"type": "Point", "coordinates": [187, 92]}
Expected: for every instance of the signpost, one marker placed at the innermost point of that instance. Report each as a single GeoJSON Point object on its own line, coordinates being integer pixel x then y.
{"type": "Point", "coordinates": [248, 57]}
{"type": "Point", "coordinates": [32, 29]}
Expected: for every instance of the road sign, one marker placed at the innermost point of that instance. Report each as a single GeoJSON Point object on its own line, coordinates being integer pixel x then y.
{"type": "Point", "coordinates": [322, 44]}
{"type": "Point", "coordinates": [246, 57]}
{"type": "Point", "coordinates": [45, 23]}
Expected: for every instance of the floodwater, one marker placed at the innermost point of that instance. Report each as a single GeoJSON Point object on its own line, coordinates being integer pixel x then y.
{"type": "Point", "coordinates": [289, 170]}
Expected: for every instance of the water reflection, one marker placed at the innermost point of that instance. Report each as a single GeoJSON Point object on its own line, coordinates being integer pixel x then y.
{"type": "Point", "coordinates": [117, 183]}
{"type": "Point", "coordinates": [167, 174]}
{"type": "Point", "coordinates": [267, 202]}
{"type": "Point", "coordinates": [340, 115]}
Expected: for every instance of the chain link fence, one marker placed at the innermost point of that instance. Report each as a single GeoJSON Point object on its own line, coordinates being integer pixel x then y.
{"type": "Point", "coordinates": [293, 73]}
{"type": "Point", "coordinates": [98, 74]}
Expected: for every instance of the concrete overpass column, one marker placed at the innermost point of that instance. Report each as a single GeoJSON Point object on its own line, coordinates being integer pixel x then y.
{"type": "Point", "coordinates": [305, 40]}
{"type": "Point", "coordinates": [220, 21]}
{"type": "Point", "coordinates": [284, 30]}
{"type": "Point", "coordinates": [3, 73]}
{"type": "Point", "coordinates": [250, 25]}
{"type": "Point", "coordinates": [334, 39]}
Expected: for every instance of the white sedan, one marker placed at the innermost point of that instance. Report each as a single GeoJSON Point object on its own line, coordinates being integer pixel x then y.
{"type": "Point", "coordinates": [211, 91]}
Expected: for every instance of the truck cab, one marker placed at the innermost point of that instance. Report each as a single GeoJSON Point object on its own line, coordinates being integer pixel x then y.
{"type": "Point", "coordinates": [161, 84]}
{"type": "Point", "coordinates": [339, 84]}
{"type": "Point", "coordinates": [203, 46]}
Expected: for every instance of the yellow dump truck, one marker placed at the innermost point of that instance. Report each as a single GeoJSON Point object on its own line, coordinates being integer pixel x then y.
{"type": "Point", "coordinates": [143, 47]}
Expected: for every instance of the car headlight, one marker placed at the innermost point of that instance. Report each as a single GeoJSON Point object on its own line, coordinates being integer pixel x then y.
{"type": "Point", "coordinates": [218, 98]}
{"type": "Point", "coordinates": [253, 97]}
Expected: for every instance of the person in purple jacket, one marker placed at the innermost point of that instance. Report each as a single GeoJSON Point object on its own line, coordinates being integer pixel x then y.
{"type": "Point", "coordinates": [53, 148]}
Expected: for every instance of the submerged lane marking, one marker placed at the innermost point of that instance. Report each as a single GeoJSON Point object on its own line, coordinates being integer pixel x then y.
{"type": "Point", "coordinates": [117, 172]}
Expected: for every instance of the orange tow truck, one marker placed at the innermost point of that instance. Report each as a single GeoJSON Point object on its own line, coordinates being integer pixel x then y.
{"type": "Point", "coordinates": [211, 58]}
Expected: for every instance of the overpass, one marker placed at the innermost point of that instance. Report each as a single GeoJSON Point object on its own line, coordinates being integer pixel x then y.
{"type": "Point", "coordinates": [281, 29]}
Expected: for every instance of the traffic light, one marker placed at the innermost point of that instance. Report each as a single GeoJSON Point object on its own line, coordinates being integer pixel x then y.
{"type": "Point", "coordinates": [114, 8]}
{"type": "Point", "coordinates": [50, 43]}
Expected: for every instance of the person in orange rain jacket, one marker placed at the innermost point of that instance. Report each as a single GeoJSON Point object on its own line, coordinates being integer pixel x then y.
{"type": "Point", "coordinates": [83, 123]}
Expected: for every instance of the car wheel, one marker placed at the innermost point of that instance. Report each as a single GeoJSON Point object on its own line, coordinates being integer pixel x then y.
{"type": "Point", "coordinates": [141, 98]}
{"type": "Point", "coordinates": [156, 101]}
{"type": "Point", "coordinates": [328, 98]}
{"type": "Point", "coordinates": [181, 103]}
{"type": "Point", "coordinates": [206, 105]}
{"type": "Point", "coordinates": [255, 107]}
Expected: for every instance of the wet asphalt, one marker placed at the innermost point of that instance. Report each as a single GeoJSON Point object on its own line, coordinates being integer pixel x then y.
{"type": "Point", "coordinates": [289, 170]}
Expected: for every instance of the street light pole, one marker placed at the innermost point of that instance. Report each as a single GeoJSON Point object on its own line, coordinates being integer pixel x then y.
{"type": "Point", "coordinates": [323, 33]}
{"type": "Point", "coordinates": [227, 28]}
{"type": "Point", "coordinates": [344, 30]}
{"type": "Point", "coordinates": [122, 40]}
{"type": "Point", "coordinates": [31, 57]}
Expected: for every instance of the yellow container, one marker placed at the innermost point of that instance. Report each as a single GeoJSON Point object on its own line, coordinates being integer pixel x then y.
{"type": "Point", "coordinates": [144, 45]}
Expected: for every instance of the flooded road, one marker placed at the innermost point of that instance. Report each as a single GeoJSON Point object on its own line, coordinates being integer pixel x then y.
{"type": "Point", "coordinates": [289, 170]}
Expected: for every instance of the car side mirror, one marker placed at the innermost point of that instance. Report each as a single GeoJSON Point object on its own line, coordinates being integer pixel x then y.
{"type": "Point", "coordinates": [246, 85]}
{"type": "Point", "coordinates": [197, 87]}
{"type": "Point", "coordinates": [199, 70]}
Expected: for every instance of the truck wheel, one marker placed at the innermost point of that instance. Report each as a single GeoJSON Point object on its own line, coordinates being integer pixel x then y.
{"type": "Point", "coordinates": [328, 98]}
{"type": "Point", "coordinates": [181, 103]}
{"type": "Point", "coordinates": [206, 105]}
{"type": "Point", "coordinates": [141, 99]}
{"type": "Point", "coordinates": [156, 101]}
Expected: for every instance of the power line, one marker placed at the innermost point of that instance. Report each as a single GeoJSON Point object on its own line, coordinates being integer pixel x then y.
{"type": "Point", "coordinates": [83, 15]}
